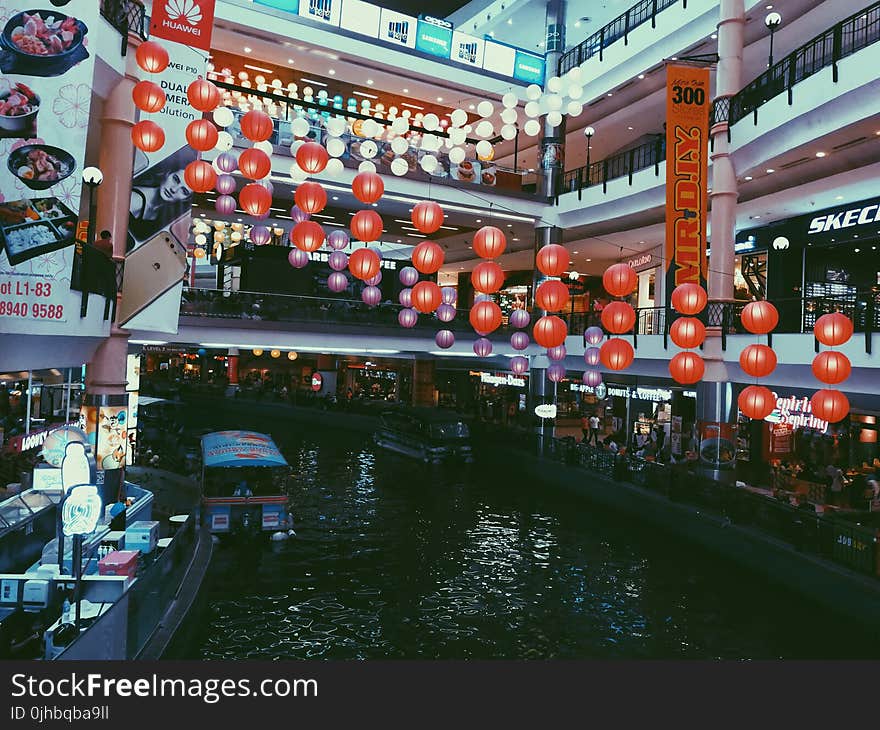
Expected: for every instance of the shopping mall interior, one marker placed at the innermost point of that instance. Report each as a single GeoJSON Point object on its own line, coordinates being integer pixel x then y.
{"type": "Point", "coordinates": [623, 254]}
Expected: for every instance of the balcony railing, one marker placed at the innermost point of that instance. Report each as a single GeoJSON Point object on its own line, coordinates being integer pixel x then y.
{"type": "Point", "coordinates": [127, 16]}
{"type": "Point", "coordinates": [843, 39]}
{"type": "Point", "coordinates": [623, 164]}
{"type": "Point", "coordinates": [620, 27]}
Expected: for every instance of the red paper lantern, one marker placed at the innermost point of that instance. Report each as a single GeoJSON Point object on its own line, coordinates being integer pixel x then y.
{"type": "Point", "coordinates": [489, 242]}
{"type": "Point", "coordinates": [552, 295]}
{"type": "Point", "coordinates": [686, 367]}
{"type": "Point", "coordinates": [366, 186]}
{"type": "Point", "coordinates": [203, 95]}
{"type": "Point", "coordinates": [151, 57]}
{"type": "Point", "coordinates": [364, 263]}
{"type": "Point", "coordinates": [148, 96]}
{"type": "Point", "coordinates": [312, 157]}
{"type": "Point", "coordinates": [256, 164]}
{"type": "Point", "coordinates": [201, 135]}
{"type": "Point", "coordinates": [620, 280]}
{"type": "Point", "coordinates": [550, 331]}
{"type": "Point", "coordinates": [427, 257]}
{"type": "Point", "coordinates": [833, 329]}
{"type": "Point", "coordinates": [616, 354]}
{"type": "Point", "coordinates": [147, 136]}
{"type": "Point", "coordinates": [552, 260]}
{"type": "Point", "coordinates": [485, 317]}
{"type": "Point", "coordinates": [426, 296]}
{"type": "Point", "coordinates": [756, 402]}
{"type": "Point", "coordinates": [427, 216]}
{"type": "Point", "coordinates": [307, 236]}
{"type": "Point", "coordinates": [687, 332]}
{"type": "Point", "coordinates": [310, 197]}
{"type": "Point", "coordinates": [487, 277]}
{"type": "Point", "coordinates": [255, 199]}
{"type": "Point", "coordinates": [757, 360]}
{"type": "Point", "coordinates": [831, 367]}
{"type": "Point", "coordinates": [689, 299]}
{"type": "Point", "coordinates": [256, 126]}
{"type": "Point", "coordinates": [618, 317]}
{"type": "Point", "coordinates": [829, 405]}
{"type": "Point", "coordinates": [199, 176]}
{"type": "Point", "coordinates": [366, 225]}
{"type": "Point", "coordinates": [760, 317]}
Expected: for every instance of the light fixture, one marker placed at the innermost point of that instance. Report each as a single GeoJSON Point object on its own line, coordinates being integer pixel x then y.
{"type": "Point", "coordinates": [361, 93]}
{"type": "Point", "coordinates": [857, 250]}
{"type": "Point", "coordinates": [247, 49]}
{"type": "Point", "coordinates": [257, 68]}
{"type": "Point", "coordinates": [439, 98]}
{"type": "Point", "coordinates": [290, 61]}
{"type": "Point", "coordinates": [641, 76]}
{"type": "Point", "coordinates": [369, 82]}
{"type": "Point", "coordinates": [610, 94]}
{"type": "Point", "coordinates": [714, 36]}
{"type": "Point", "coordinates": [406, 91]}
{"type": "Point", "coordinates": [772, 22]}
{"type": "Point", "coordinates": [820, 154]}
{"type": "Point", "coordinates": [413, 106]}
{"type": "Point", "coordinates": [92, 176]}
{"type": "Point", "coordinates": [310, 81]}
{"type": "Point", "coordinates": [332, 72]}
{"type": "Point", "coordinates": [748, 177]}
{"type": "Point", "coordinates": [770, 171]}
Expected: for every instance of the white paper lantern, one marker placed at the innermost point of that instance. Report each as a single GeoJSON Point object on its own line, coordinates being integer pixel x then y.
{"type": "Point", "coordinates": [429, 163]}
{"type": "Point", "coordinates": [532, 109]}
{"type": "Point", "coordinates": [265, 146]}
{"type": "Point", "coordinates": [297, 173]}
{"type": "Point", "coordinates": [335, 147]}
{"type": "Point", "coordinates": [223, 116]}
{"type": "Point", "coordinates": [532, 127]}
{"type": "Point", "coordinates": [295, 145]}
{"type": "Point", "coordinates": [399, 145]}
{"type": "Point", "coordinates": [509, 116]}
{"type": "Point", "coordinates": [456, 155]}
{"type": "Point", "coordinates": [400, 125]}
{"type": "Point", "coordinates": [485, 129]}
{"type": "Point", "coordinates": [574, 108]}
{"type": "Point", "coordinates": [457, 135]}
{"type": "Point", "coordinates": [459, 118]}
{"type": "Point", "coordinates": [201, 240]}
{"type": "Point", "coordinates": [509, 100]}
{"type": "Point", "coordinates": [431, 122]}
{"type": "Point", "coordinates": [554, 119]}
{"type": "Point", "coordinates": [399, 166]}
{"type": "Point", "coordinates": [336, 126]}
{"type": "Point", "coordinates": [554, 84]}
{"type": "Point", "coordinates": [574, 74]}
{"type": "Point", "coordinates": [334, 167]}
{"type": "Point", "coordinates": [224, 142]}
{"type": "Point", "coordinates": [575, 91]}
{"type": "Point", "coordinates": [484, 148]}
{"type": "Point", "coordinates": [430, 143]}
{"type": "Point", "coordinates": [533, 92]}
{"type": "Point", "coordinates": [369, 128]}
{"type": "Point", "coordinates": [508, 131]}
{"type": "Point", "coordinates": [299, 127]}
{"type": "Point", "coordinates": [485, 109]}
{"type": "Point", "coordinates": [367, 166]}
{"type": "Point", "coordinates": [553, 102]}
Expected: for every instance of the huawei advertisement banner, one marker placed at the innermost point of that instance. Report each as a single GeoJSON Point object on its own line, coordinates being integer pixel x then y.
{"type": "Point", "coordinates": [45, 98]}
{"type": "Point", "coordinates": [687, 153]}
{"type": "Point", "coordinates": [188, 22]}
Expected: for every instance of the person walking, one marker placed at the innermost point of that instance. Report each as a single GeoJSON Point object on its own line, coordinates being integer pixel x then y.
{"type": "Point", "coordinates": [594, 429]}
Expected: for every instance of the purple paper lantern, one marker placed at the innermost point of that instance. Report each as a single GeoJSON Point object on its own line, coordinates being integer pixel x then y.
{"type": "Point", "coordinates": [591, 356]}
{"type": "Point", "coordinates": [337, 282]}
{"type": "Point", "coordinates": [298, 258]}
{"type": "Point", "coordinates": [225, 204]}
{"type": "Point", "coordinates": [592, 378]}
{"type": "Point", "coordinates": [261, 216]}
{"type": "Point", "coordinates": [444, 339]}
{"type": "Point", "coordinates": [260, 235]}
{"type": "Point", "coordinates": [225, 184]}
{"type": "Point", "coordinates": [337, 260]}
{"type": "Point", "coordinates": [405, 297]}
{"type": "Point", "coordinates": [448, 295]}
{"type": "Point", "coordinates": [375, 280]}
{"type": "Point", "coordinates": [519, 340]}
{"type": "Point", "coordinates": [226, 162]}
{"type": "Point", "coordinates": [445, 312]}
{"type": "Point", "coordinates": [298, 215]}
{"type": "Point", "coordinates": [408, 317]}
{"type": "Point", "coordinates": [556, 353]}
{"type": "Point", "coordinates": [266, 184]}
{"type": "Point", "coordinates": [593, 335]}
{"type": "Point", "coordinates": [408, 276]}
{"type": "Point", "coordinates": [482, 298]}
{"type": "Point", "coordinates": [482, 347]}
{"type": "Point", "coordinates": [519, 318]}
{"type": "Point", "coordinates": [371, 295]}
{"type": "Point", "coordinates": [519, 364]}
{"type": "Point", "coordinates": [556, 372]}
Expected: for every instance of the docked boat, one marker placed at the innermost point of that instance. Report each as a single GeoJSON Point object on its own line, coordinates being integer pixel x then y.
{"type": "Point", "coordinates": [430, 435]}
{"type": "Point", "coordinates": [244, 485]}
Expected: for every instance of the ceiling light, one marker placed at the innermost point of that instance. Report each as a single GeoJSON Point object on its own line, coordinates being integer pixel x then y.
{"type": "Point", "coordinates": [629, 128]}
{"type": "Point", "coordinates": [575, 251]}
{"type": "Point", "coordinates": [641, 76]}
{"type": "Point", "coordinates": [514, 239]}
{"type": "Point", "coordinates": [310, 81]}
{"type": "Point", "coordinates": [332, 72]}
{"type": "Point", "coordinates": [749, 177]}
{"type": "Point", "coordinates": [714, 36]}
{"type": "Point", "coordinates": [857, 250]}
{"type": "Point", "coordinates": [820, 154]}
{"type": "Point", "coordinates": [510, 21]}
{"type": "Point", "coordinates": [492, 33]}
{"type": "Point", "coordinates": [770, 171]}
{"type": "Point", "coordinates": [769, 7]}
{"type": "Point", "coordinates": [406, 91]}
{"type": "Point", "coordinates": [510, 225]}
{"type": "Point", "coordinates": [479, 220]}
{"type": "Point", "coordinates": [756, 217]}
{"type": "Point", "coordinates": [247, 50]}
{"type": "Point", "coordinates": [257, 68]}
{"type": "Point", "coordinates": [439, 98]}
{"type": "Point", "coordinates": [290, 61]}
{"type": "Point", "coordinates": [369, 82]}
{"type": "Point", "coordinates": [610, 93]}
{"type": "Point", "coordinates": [335, 197]}
{"type": "Point", "coordinates": [473, 107]}
{"type": "Point", "coordinates": [589, 259]}
{"type": "Point", "coordinates": [839, 197]}
{"type": "Point", "coordinates": [361, 93]}
{"type": "Point", "coordinates": [413, 106]}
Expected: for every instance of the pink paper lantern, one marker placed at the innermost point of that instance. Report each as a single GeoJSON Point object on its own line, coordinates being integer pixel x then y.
{"type": "Point", "coordinates": [225, 204]}
{"type": "Point", "coordinates": [592, 378]}
{"type": "Point", "coordinates": [591, 356]}
{"type": "Point", "coordinates": [519, 364]}
{"type": "Point", "coordinates": [337, 282]}
{"type": "Point", "coordinates": [371, 295]}
{"type": "Point", "coordinates": [556, 353]}
{"type": "Point", "coordinates": [519, 318]}
{"type": "Point", "coordinates": [594, 335]}
{"type": "Point", "coordinates": [260, 235]}
{"type": "Point", "coordinates": [408, 317]}
{"type": "Point", "coordinates": [519, 340]}
{"type": "Point", "coordinates": [225, 184]}
{"type": "Point", "coordinates": [408, 275]}
{"type": "Point", "coordinates": [445, 312]}
{"type": "Point", "coordinates": [299, 215]}
{"type": "Point", "coordinates": [556, 372]}
{"type": "Point", "coordinates": [337, 240]}
{"type": "Point", "coordinates": [374, 281]}
{"type": "Point", "coordinates": [482, 347]}
{"type": "Point", "coordinates": [337, 260]}
{"type": "Point", "coordinates": [405, 297]}
{"type": "Point", "coordinates": [226, 161]}
{"type": "Point", "coordinates": [298, 258]}
{"type": "Point", "coordinates": [444, 339]}
{"type": "Point", "coordinates": [448, 295]}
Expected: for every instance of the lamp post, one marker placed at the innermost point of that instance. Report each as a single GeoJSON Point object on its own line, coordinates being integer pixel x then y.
{"type": "Point", "coordinates": [588, 133]}
{"type": "Point", "coordinates": [92, 177]}
{"type": "Point", "coordinates": [772, 21]}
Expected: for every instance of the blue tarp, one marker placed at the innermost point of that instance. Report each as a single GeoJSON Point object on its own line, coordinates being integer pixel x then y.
{"type": "Point", "coordinates": [240, 448]}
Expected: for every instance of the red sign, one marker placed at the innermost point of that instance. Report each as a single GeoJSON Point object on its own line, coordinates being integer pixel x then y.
{"type": "Point", "coordinates": [189, 22]}
{"type": "Point", "coordinates": [317, 382]}
{"type": "Point", "coordinates": [781, 439]}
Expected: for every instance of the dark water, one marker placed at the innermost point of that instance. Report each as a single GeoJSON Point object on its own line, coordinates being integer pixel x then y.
{"type": "Point", "coordinates": [395, 560]}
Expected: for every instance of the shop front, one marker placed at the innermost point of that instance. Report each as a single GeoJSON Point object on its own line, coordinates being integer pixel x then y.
{"type": "Point", "coordinates": [649, 292]}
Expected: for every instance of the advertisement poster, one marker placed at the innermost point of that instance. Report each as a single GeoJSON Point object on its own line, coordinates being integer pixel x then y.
{"type": "Point", "coordinates": [687, 153]}
{"type": "Point", "coordinates": [717, 447]}
{"type": "Point", "coordinates": [467, 49]}
{"type": "Point", "coordinates": [397, 28]}
{"type": "Point", "coordinates": [434, 36]}
{"type": "Point", "coordinates": [781, 439]}
{"type": "Point", "coordinates": [112, 437]}
{"type": "Point", "coordinates": [187, 22]}
{"type": "Point", "coordinates": [45, 98]}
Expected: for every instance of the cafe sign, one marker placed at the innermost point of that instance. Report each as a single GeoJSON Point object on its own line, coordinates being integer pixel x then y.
{"type": "Point", "coordinates": [508, 379]}
{"type": "Point", "coordinates": [796, 411]}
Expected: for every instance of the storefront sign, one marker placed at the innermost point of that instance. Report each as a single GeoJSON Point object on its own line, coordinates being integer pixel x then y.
{"type": "Point", "coordinates": [389, 264]}
{"type": "Point", "coordinates": [646, 260]}
{"type": "Point", "coordinates": [397, 28]}
{"type": "Point", "coordinates": [467, 49]}
{"type": "Point", "coordinates": [434, 36]}
{"type": "Point", "coordinates": [189, 22]}
{"type": "Point", "coordinates": [687, 138]}
{"type": "Point", "coordinates": [321, 11]}
{"type": "Point", "coordinates": [29, 441]}
{"type": "Point", "coordinates": [796, 411]}
{"type": "Point", "coordinates": [528, 68]}
{"type": "Point", "coordinates": [546, 410]}
{"type": "Point", "coordinates": [508, 379]}
{"type": "Point", "coordinates": [317, 382]}
{"type": "Point", "coordinates": [845, 218]}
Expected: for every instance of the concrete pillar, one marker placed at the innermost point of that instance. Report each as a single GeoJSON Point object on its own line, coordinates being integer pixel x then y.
{"type": "Point", "coordinates": [551, 161]}
{"type": "Point", "coordinates": [423, 389]}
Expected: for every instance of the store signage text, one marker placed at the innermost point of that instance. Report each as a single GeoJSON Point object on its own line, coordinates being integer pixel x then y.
{"type": "Point", "coordinates": [490, 379]}
{"type": "Point", "coordinates": [655, 395]}
{"type": "Point", "coordinates": [184, 21]}
{"type": "Point", "coordinates": [389, 264]}
{"type": "Point", "coordinates": [845, 219]}
{"type": "Point", "coordinates": [30, 441]}
{"type": "Point", "coordinates": [642, 260]}
{"type": "Point", "coordinates": [796, 411]}
{"type": "Point", "coordinates": [545, 410]}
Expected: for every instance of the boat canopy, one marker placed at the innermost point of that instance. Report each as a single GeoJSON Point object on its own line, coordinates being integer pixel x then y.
{"type": "Point", "coordinates": [240, 448]}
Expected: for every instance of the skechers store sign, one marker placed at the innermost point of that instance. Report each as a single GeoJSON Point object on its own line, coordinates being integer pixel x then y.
{"type": "Point", "coordinates": [851, 217]}
{"type": "Point", "coordinates": [425, 34]}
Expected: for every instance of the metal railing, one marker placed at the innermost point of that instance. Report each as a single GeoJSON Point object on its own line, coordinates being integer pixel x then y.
{"type": "Point", "coordinates": [620, 27]}
{"type": "Point", "coordinates": [841, 40]}
{"type": "Point", "coordinates": [623, 164]}
{"type": "Point", "coordinates": [127, 16]}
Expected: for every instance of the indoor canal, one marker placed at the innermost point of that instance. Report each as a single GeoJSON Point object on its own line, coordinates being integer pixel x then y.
{"type": "Point", "coordinates": [392, 559]}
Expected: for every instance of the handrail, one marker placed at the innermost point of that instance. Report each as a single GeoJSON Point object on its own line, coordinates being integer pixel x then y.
{"type": "Point", "coordinates": [622, 164]}
{"type": "Point", "coordinates": [618, 28]}
{"type": "Point", "coordinates": [127, 16]}
{"type": "Point", "coordinates": [841, 40]}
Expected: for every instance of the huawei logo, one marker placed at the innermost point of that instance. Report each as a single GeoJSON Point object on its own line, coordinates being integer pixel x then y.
{"type": "Point", "coordinates": [184, 10]}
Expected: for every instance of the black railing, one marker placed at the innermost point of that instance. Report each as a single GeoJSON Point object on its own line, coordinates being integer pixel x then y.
{"type": "Point", "coordinates": [843, 39]}
{"type": "Point", "coordinates": [127, 16]}
{"type": "Point", "coordinates": [620, 27]}
{"type": "Point", "coordinates": [623, 164]}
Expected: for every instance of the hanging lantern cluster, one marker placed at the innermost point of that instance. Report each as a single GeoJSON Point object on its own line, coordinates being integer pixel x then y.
{"type": "Point", "coordinates": [757, 360]}
{"type": "Point", "coordinates": [550, 331]}
{"type": "Point", "coordinates": [149, 97]}
{"type": "Point", "coordinates": [202, 135]}
{"type": "Point", "coordinates": [831, 367]}
{"type": "Point", "coordinates": [688, 332]}
{"type": "Point", "coordinates": [618, 317]}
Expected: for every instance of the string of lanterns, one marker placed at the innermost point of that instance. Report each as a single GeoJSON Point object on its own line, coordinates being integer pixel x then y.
{"type": "Point", "coordinates": [757, 360]}
{"type": "Point", "coordinates": [688, 332]}
{"type": "Point", "coordinates": [831, 367]}
{"type": "Point", "coordinates": [618, 317]}
{"type": "Point", "coordinates": [149, 97]}
{"type": "Point", "coordinates": [487, 278]}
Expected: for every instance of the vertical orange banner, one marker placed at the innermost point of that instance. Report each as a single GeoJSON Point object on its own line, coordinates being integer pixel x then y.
{"type": "Point", "coordinates": [687, 156]}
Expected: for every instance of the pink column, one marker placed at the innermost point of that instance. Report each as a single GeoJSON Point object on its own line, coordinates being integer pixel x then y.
{"type": "Point", "coordinates": [106, 373]}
